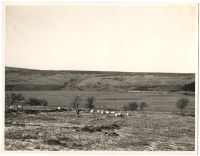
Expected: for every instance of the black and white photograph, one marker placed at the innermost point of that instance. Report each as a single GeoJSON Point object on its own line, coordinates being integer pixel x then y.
{"type": "Point", "coordinates": [100, 77]}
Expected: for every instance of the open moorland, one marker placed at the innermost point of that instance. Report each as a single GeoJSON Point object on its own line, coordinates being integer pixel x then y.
{"type": "Point", "coordinates": [56, 126]}
{"type": "Point", "coordinates": [28, 79]}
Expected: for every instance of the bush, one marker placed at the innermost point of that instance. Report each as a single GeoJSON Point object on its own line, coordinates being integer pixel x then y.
{"type": "Point", "coordinates": [131, 106]}
{"type": "Point", "coordinates": [142, 105]}
{"type": "Point", "coordinates": [189, 87]}
{"type": "Point", "coordinates": [125, 108]}
{"type": "Point", "coordinates": [90, 102]}
{"type": "Point", "coordinates": [16, 98]}
{"type": "Point", "coordinates": [181, 104]}
{"type": "Point", "coordinates": [37, 102]}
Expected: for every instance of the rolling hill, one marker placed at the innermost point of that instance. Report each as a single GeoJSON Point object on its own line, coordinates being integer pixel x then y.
{"type": "Point", "coordinates": [30, 79]}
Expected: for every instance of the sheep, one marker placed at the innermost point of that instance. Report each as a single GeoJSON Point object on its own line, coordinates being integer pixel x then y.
{"type": "Point", "coordinates": [11, 107]}
{"type": "Point", "coordinates": [102, 112]}
{"type": "Point", "coordinates": [19, 106]}
{"type": "Point", "coordinates": [91, 111]}
{"type": "Point", "coordinates": [128, 114]}
{"type": "Point", "coordinates": [98, 111]}
{"type": "Point", "coordinates": [107, 112]}
{"type": "Point", "coordinates": [119, 114]}
{"type": "Point", "coordinates": [58, 108]}
{"type": "Point", "coordinates": [113, 112]}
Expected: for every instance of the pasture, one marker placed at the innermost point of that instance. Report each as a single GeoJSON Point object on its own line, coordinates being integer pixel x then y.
{"type": "Point", "coordinates": [157, 101]}
{"type": "Point", "coordinates": [158, 128]}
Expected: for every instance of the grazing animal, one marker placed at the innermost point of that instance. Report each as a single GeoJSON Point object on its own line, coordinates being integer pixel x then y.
{"type": "Point", "coordinates": [128, 114]}
{"type": "Point", "coordinates": [120, 114]}
{"type": "Point", "coordinates": [19, 106]}
{"type": "Point", "coordinates": [116, 114]}
{"type": "Point", "coordinates": [58, 108]}
{"type": "Point", "coordinates": [98, 111]}
{"type": "Point", "coordinates": [107, 112]}
{"type": "Point", "coordinates": [113, 112]}
{"type": "Point", "coordinates": [91, 111]}
{"type": "Point", "coordinates": [102, 112]}
{"type": "Point", "coordinates": [11, 107]}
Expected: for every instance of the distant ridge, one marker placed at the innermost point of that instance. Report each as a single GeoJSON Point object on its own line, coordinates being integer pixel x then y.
{"type": "Point", "coordinates": [34, 79]}
{"type": "Point", "coordinates": [89, 71]}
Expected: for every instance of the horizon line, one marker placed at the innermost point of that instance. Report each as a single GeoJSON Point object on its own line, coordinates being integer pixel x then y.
{"type": "Point", "coordinates": [100, 70]}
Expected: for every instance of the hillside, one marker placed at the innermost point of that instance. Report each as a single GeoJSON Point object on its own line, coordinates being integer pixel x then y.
{"type": "Point", "coordinates": [30, 79]}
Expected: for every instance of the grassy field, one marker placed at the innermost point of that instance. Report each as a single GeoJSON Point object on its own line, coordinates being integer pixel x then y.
{"type": "Point", "coordinates": [156, 101]}
{"type": "Point", "coordinates": [158, 127]}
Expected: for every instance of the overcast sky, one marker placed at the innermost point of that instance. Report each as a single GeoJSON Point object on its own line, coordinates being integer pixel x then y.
{"type": "Point", "coordinates": [108, 37]}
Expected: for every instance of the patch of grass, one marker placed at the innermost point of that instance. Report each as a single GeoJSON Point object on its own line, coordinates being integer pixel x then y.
{"type": "Point", "coordinates": [54, 141]}
{"type": "Point", "coordinates": [20, 135]}
{"type": "Point", "coordinates": [64, 142]}
{"type": "Point", "coordinates": [31, 111]}
{"type": "Point", "coordinates": [93, 129]}
{"type": "Point", "coordinates": [10, 123]}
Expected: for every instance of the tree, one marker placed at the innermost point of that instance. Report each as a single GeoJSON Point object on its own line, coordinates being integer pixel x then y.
{"type": "Point", "coordinates": [181, 104]}
{"type": "Point", "coordinates": [90, 102]}
{"type": "Point", "coordinates": [76, 103]}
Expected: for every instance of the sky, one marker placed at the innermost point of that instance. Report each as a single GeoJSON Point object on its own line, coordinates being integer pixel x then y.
{"type": "Point", "coordinates": [102, 37]}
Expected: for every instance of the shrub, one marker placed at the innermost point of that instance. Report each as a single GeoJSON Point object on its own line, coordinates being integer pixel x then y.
{"type": "Point", "coordinates": [189, 87]}
{"type": "Point", "coordinates": [90, 102]}
{"type": "Point", "coordinates": [75, 103]}
{"type": "Point", "coordinates": [37, 102]}
{"type": "Point", "coordinates": [16, 98]}
{"type": "Point", "coordinates": [131, 106]}
{"type": "Point", "coordinates": [181, 104]}
{"type": "Point", "coordinates": [142, 105]}
{"type": "Point", "coordinates": [125, 108]}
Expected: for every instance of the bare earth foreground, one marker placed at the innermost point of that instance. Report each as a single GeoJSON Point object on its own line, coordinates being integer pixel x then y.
{"type": "Point", "coordinates": [156, 128]}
